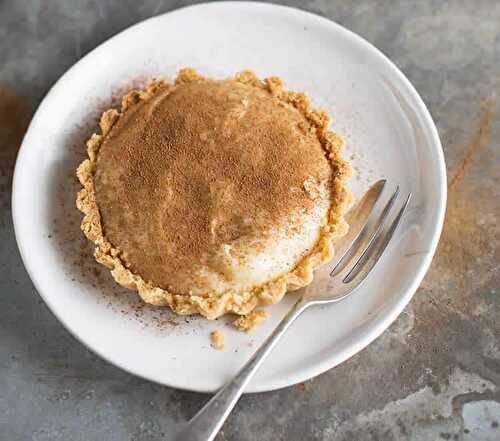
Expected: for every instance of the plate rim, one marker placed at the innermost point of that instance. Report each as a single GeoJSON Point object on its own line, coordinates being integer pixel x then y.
{"type": "Point", "coordinates": [329, 361]}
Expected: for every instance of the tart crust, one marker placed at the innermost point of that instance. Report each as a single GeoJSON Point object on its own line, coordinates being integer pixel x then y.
{"type": "Point", "coordinates": [212, 304]}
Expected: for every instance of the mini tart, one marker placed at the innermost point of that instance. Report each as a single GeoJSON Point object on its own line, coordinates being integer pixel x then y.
{"type": "Point", "coordinates": [213, 196]}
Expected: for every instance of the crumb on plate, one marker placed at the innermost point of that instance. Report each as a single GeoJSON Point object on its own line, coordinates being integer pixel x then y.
{"type": "Point", "coordinates": [217, 338]}
{"type": "Point", "coordinates": [250, 321]}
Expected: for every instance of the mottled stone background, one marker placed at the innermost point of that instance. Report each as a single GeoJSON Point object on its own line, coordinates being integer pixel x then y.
{"type": "Point", "coordinates": [435, 374]}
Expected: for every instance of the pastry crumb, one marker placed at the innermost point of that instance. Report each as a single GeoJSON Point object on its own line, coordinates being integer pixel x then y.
{"type": "Point", "coordinates": [217, 338]}
{"type": "Point", "coordinates": [250, 321]}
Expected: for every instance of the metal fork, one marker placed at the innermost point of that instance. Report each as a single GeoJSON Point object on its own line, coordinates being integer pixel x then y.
{"type": "Point", "coordinates": [356, 255]}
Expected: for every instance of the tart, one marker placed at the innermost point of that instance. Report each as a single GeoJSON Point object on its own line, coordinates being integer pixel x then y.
{"type": "Point", "coordinates": [213, 196]}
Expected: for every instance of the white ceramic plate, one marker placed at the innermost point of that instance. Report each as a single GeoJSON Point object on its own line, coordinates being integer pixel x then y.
{"type": "Point", "coordinates": [389, 133]}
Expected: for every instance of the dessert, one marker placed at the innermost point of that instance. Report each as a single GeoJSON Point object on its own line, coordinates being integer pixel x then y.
{"type": "Point", "coordinates": [213, 196]}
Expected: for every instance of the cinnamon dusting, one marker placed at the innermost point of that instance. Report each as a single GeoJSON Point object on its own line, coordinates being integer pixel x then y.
{"type": "Point", "coordinates": [15, 115]}
{"type": "Point", "coordinates": [192, 195]}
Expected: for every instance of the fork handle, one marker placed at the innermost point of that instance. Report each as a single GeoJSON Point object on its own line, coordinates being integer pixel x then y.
{"type": "Point", "coordinates": [208, 421]}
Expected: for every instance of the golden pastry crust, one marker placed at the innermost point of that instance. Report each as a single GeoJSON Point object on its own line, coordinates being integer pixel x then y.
{"type": "Point", "coordinates": [212, 304]}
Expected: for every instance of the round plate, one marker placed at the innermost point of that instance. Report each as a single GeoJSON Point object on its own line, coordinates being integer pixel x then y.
{"type": "Point", "coordinates": [389, 134]}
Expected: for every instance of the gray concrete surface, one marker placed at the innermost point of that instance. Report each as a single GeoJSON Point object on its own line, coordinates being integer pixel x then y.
{"type": "Point", "coordinates": [434, 375]}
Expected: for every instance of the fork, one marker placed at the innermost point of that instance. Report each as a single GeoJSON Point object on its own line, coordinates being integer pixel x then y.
{"type": "Point", "coordinates": [356, 254]}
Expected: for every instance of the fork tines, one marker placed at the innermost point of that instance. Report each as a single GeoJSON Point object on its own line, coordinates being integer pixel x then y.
{"type": "Point", "coordinates": [370, 231]}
